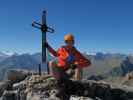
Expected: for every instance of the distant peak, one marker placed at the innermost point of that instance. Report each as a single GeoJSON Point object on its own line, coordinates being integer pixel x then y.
{"type": "Point", "coordinates": [15, 54]}
{"type": "Point", "coordinates": [8, 53]}
{"type": "Point", "coordinates": [2, 54]}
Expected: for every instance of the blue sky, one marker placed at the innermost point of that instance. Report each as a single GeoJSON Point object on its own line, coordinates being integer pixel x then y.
{"type": "Point", "coordinates": [98, 25]}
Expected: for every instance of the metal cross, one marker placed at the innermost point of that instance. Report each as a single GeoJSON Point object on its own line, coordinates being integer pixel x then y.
{"type": "Point", "coordinates": [44, 29]}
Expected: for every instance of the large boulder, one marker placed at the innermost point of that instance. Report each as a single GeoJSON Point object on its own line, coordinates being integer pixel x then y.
{"type": "Point", "coordinates": [17, 75]}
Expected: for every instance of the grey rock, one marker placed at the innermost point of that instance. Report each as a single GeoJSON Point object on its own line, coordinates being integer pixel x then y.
{"type": "Point", "coordinates": [5, 85]}
{"type": "Point", "coordinates": [9, 95]}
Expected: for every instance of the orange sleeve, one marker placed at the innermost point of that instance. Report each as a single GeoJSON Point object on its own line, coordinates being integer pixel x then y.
{"type": "Point", "coordinates": [81, 61]}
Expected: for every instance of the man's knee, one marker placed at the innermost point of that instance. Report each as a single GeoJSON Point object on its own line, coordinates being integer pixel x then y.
{"type": "Point", "coordinates": [51, 66]}
{"type": "Point", "coordinates": [52, 63]}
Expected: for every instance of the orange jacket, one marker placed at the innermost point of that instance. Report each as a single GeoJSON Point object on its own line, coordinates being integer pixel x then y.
{"type": "Point", "coordinates": [63, 53]}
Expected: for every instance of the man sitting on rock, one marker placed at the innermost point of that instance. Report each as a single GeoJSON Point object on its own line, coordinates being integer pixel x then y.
{"type": "Point", "coordinates": [67, 57]}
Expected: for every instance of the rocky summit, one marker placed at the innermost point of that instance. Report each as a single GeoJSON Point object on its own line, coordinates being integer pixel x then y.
{"type": "Point", "coordinates": [45, 87]}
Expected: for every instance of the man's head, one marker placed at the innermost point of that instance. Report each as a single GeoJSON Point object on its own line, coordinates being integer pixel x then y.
{"type": "Point", "coordinates": [69, 40]}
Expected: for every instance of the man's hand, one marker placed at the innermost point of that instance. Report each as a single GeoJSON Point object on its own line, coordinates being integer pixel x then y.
{"type": "Point", "coordinates": [70, 58]}
{"type": "Point", "coordinates": [73, 66]}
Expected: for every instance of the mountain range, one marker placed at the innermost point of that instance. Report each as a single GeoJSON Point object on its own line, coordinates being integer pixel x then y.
{"type": "Point", "coordinates": [15, 61]}
{"type": "Point", "coordinates": [3, 56]}
{"type": "Point", "coordinates": [105, 64]}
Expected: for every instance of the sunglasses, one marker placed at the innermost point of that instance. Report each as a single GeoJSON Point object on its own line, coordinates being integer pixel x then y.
{"type": "Point", "coordinates": [67, 42]}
